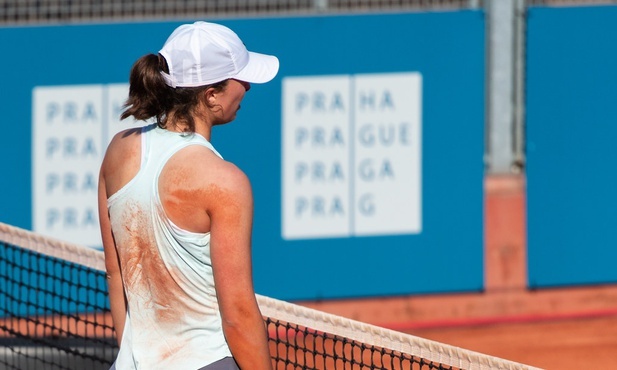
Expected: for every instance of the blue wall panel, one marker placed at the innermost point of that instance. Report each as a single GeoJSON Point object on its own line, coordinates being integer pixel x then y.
{"type": "Point", "coordinates": [447, 49]}
{"type": "Point", "coordinates": [571, 151]}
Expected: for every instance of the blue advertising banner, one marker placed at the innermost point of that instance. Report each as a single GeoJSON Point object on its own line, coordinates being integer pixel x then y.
{"type": "Point", "coordinates": [571, 151]}
{"type": "Point", "coordinates": [365, 153]}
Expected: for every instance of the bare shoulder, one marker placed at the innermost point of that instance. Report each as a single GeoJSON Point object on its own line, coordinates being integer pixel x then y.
{"type": "Point", "coordinates": [124, 140]}
{"type": "Point", "coordinates": [225, 187]}
{"type": "Point", "coordinates": [231, 193]}
{"type": "Point", "coordinates": [214, 172]}
{"type": "Point", "coordinates": [196, 184]}
{"type": "Point", "coordinates": [122, 159]}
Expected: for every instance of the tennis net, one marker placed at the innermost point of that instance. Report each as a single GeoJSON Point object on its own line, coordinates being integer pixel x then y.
{"type": "Point", "coordinates": [54, 314]}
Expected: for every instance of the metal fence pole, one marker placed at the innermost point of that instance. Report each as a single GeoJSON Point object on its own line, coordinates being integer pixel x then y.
{"type": "Point", "coordinates": [505, 80]}
{"type": "Point", "coordinates": [321, 5]}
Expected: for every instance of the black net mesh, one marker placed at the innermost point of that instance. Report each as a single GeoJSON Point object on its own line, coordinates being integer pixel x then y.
{"type": "Point", "coordinates": [294, 347]}
{"type": "Point", "coordinates": [53, 313]}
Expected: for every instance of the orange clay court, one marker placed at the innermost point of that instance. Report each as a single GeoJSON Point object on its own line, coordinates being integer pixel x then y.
{"type": "Point", "coordinates": [582, 343]}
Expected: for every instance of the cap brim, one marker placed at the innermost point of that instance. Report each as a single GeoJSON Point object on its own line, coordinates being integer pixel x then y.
{"type": "Point", "coordinates": [261, 68]}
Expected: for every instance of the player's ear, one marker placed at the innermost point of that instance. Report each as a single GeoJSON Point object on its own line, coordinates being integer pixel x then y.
{"type": "Point", "coordinates": [210, 96]}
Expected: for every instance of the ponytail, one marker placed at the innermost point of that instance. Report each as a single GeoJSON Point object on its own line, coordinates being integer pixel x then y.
{"type": "Point", "coordinates": [148, 93]}
{"type": "Point", "coordinates": [150, 96]}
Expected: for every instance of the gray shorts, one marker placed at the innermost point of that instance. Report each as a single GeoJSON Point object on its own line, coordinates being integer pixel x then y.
{"type": "Point", "coordinates": [227, 363]}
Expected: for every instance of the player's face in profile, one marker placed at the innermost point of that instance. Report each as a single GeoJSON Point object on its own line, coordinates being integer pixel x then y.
{"type": "Point", "coordinates": [230, 98]}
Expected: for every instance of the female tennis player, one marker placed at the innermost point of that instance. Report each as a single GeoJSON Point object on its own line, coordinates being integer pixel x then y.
{"type": "Point", "coordinates": [176, 219]}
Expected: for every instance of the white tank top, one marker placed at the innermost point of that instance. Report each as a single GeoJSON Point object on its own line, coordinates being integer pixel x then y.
{"type": "Point", "coordinates": [173, 319]}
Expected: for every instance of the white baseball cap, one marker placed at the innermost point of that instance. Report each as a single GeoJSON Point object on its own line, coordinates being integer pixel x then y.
{"type": "Point", "coordinates": [203, 53]}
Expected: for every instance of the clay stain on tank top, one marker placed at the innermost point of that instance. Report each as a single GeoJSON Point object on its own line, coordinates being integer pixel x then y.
{"type": "Point", "coordinates": [144, 271]}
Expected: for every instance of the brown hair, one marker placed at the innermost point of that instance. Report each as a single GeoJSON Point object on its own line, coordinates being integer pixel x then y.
{"type": "Point", "coordinates": [150, 96]}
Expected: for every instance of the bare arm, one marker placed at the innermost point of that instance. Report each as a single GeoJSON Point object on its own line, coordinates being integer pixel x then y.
{"type": "Point", "coordinates": [231, 215]}
{"type": "Point", "coordinates": [114, 278]}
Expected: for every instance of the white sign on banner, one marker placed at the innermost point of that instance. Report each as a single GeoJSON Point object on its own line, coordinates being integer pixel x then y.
{"type": "Point", "coordinates": [71, 128]}
{"type": "Point", "coordinates": [352, 155]}
{"type": "Point", "coordinates": [315, 156]}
